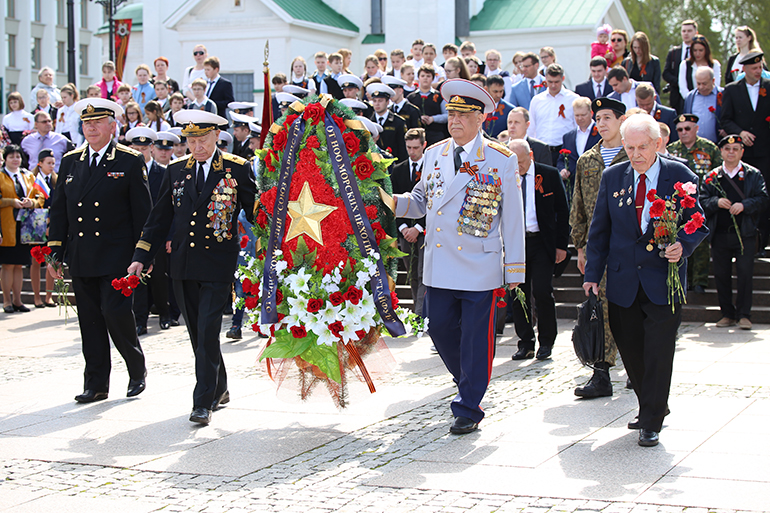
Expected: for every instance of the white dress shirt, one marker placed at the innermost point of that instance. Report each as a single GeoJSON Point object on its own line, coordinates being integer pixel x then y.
{"type": "Point", "coordinates": [448, 177]}
{"type": "Point", "coordinates": [598, 87]}
{"type": "Point", "coordinates": [545, 123]}
{"type": "Point", "coordinates": [419, 166]}
{"type": "Point", "coordinates": [530, 218]}
{"type": "Point", "coordinates": [101, 153]}
{"type": "Point", "coordinates": [629, 98]}
{"type": "Point", "coordinates": [753, 94]}
{"type": "Point", "coordinates": [732, 172]}
{"type": "Point", "coordinates": [582, 138]}
{"type": "Point", "coordinates": [212, 84]}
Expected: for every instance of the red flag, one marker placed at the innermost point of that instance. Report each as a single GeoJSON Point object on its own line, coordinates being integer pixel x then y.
{"type": "Point", "coordinates": [122, 33]}
{"type": "Point", "coordinates": [267, 100]}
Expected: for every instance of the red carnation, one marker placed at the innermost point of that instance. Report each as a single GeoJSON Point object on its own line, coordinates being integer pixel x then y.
{"type": "Point", "coordinates": [565, 152]}
{"type": "Point", "coordinates": [244, 241]}
{"type": "Point", "coordinates": [336, 298]}
{"type": "Point", "coordinates": [501, 304]}
{"type": "Point", "coordinates": [267, 198]}
{"type": "Point", "coordinates": [278, 297]}
{"type": "Point", "coordinates": [313, 305]}
{"type": "Point", "coordinates": [351, 143]}
{"type": "Point", "coordinates": [679, 188]}
{"type": "Point", "coordinates": [651, 195]}
{"type": "Point", "coordinates": [298, 331]}
{"type": "Point", "coordinates": [251, 302]}
{"type": "Point", "coordinates": [314, 112]}
{"type": "Point", "coordinates": [353, 295]}
{"type": "Point", "coordinates": [261, 219]}
{"type": "Point", "coordinates": [340, 122]}
{"type": "Point", "coordinates": [500, 292]}
{"type": "Point", "coordinates": [379, 232]}
{"type": "Point", "coordinates": [246, 285]}
{"type": "Point", "coordinates": [364, 167]}
{"type": "Point", "coordinates": [126, 292]}
{"type": "Point", "coordinates": [394, 300]}
{"type": "Point", "coordinates": [688, 202]}
{"type": "Point", "coordinates": [116, 284]}
{"type": "Point", "coordinates": [279, 140]}
{"type": "Point", "coordinates": [290, 120]}
{"type": "Point", "coordinates": [712, 109]}
{"type": "Point", "coordinates": [45, 250]}
{"type": "Point", "coordinates": [336, 328]}
{"type": "Point", "coordinates": [133, 281]}
{"type": "Point", "coordinates": [657, 208]}
{"type": "Point", "coordinates": [313, 142]}
{"type": "Point", "coordinates": [371, 212]}
{"type": "Point", "coordinates": [694, 223]}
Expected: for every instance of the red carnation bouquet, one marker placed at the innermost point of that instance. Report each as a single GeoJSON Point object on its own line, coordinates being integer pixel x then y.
{"type": "Point", "coordinates": [565, 153]}
{"type": "Point", "coordinates": [128, 284]}
{"type": "Point", "coordinates": [713, 180]}
{"type": "Point", "coordinates": [42, 255]}
{"type": "Point", "coordinates": [668, 214]}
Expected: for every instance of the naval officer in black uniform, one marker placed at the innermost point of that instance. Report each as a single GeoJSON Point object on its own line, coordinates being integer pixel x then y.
{"type": "Point", "coordinates": [393, 126]}
{"type": "Point", "coordinates": [99, 207]}
{"type": "Point", "coordinates": [202, 195]}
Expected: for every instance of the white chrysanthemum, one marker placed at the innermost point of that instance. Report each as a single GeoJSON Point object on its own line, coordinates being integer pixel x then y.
{"type": "Point", "coordinates": [278, 253]}
{"type": "Point", "coordinates": [280, 266]}
{"type": "Point", "coordinates": [362, 277]}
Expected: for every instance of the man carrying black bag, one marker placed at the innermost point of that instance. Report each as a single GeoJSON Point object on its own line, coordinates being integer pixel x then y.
{"type": "Point", "coordinates": [588, 333]}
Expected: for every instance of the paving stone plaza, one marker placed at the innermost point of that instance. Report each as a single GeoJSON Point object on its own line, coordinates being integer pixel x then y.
{"type": "Point", "coordinates": [539, 450]}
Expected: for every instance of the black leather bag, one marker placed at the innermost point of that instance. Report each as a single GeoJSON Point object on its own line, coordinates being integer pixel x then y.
{"type": "Point", "coordinates": [588, 333]}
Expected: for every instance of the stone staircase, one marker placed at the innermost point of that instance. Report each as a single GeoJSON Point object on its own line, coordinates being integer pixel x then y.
{"type": "Point", "coordinates": [569, 293]}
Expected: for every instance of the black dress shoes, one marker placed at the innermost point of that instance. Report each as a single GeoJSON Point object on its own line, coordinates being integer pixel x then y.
{"type": "Point", "coordinates": [200, 415]}
{"type": "Point", "coordinates": [634, 424]}
{"type": "Point", "coordinates": [222, 399]}
{"type": "Point", "coordinates": [463, 425]}
{"type": "Point", "coordinates": [648, 438]}
{"type": "Point", "coordinates": [173, 322]}
{"type": "Point", "coordinates": [141, 330]}
{"type": "Point", "coordinates": [165, 323]}
{"type": "Point", "coordinates": [234, 333]}
{"type": "Point", "coordinates": [523, 354]}
{"type": "Point", "coordinates": [135, 387]}
{"type": "Point", "coordinates": [90, 396]}
{"type": "Point", "coordinates": [543, 353]}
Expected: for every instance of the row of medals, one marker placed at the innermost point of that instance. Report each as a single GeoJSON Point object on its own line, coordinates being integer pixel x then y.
{"type": "Point", "coordinates": [481, 205]}
{"type": "Point", "coordinates": [220, 218]}
{"type": "Point", "coordinates": [649, 247]}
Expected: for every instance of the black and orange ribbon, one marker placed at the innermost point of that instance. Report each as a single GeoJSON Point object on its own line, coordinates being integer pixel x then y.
{"type": "Point", "coordinates": [539, 183]}
{"type": "Point", "coordinates": [356, 357]}
{"type": "Point", "coordinates": [471, 170]}
{"type": "Point", "coordinates": [561, 111]}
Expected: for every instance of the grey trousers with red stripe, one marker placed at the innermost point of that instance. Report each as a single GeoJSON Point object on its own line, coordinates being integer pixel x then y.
{"type": "Point", "coordinates": [462, 327]}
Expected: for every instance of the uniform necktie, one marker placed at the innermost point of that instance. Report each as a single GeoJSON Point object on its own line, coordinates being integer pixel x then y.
{"type": "Point", "coordinates": [382, 121]}
{"type": "Point", "coordinates": [211, 86]}
{"type": "Point", "coordinates": [524, 194]}
{"type": "Point", "coordinates": [687, 53]}
{"type": "Point", "coordinates": [458, 158]}
{"type": "Point", "coordinates": [94, 162]}
{"type": "Point", "coordinates": [598, 90]}
{"type": "Point", "coordinates": [48, 181]}
{"type": "Point", "coordinates": [531, 87]}
{"type": "Point", "coordinates": [641, 192]}
{"type": "Point", "coordinates": [19, 189]}
{"type": "Point", "coordinates": [414, 171]}
{"type": "Point", "coordinates": [200, 179]}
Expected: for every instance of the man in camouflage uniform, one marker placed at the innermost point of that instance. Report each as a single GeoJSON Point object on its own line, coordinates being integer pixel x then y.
{"type": "Point", "coordinates": [609, 115]}
{"type": "Point", "coordinates": [702, 155]}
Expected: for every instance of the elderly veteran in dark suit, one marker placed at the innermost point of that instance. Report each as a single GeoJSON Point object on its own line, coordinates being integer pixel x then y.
{"type": "Point", "coordinates": [468, 186]}
{"type": "Point", "coordinates": [643, 322]}
{"type": "Point", "coordinates": [205, 245]}
{"type": "Point", "coordinates": [100, 204]}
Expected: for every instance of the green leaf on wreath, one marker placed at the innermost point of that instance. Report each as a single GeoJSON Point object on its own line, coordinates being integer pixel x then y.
{"type": "Point", "coordinates": [286, 346]}
{"type": "Point", "coordinates": [325, 358]}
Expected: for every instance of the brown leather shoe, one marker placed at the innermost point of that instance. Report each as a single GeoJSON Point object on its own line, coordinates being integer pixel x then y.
{"type": "Point", "coordinates": [744, 324]}
{"type": "Point", "coordinates": [726, 322]}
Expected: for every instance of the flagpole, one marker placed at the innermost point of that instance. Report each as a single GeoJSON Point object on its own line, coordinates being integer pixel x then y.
{"type": "Point", "coordinates": [267, 100]}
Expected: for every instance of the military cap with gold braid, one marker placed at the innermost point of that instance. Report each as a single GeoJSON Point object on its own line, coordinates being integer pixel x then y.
{"type": "Point", "coordinates": [166, 140]}
{"type": "Point", "coordinates": [97, 108]}
{"type": "Point", "coordinates": [752, 58]}
{"type": "Point", "coordinates": [464, 96]}
{"type": "Point", "coordinates": [196, 123]}
{"type": "Point", "coordinates": [141, 136]}
{"type": "Point", "coordinates": [730, 139]}
{"type": "Point", "coordinates": [684, 118]}
{"type": "Point", "coordinates": [608, 103]}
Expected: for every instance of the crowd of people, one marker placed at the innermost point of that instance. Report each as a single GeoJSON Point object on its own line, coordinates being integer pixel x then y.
{"type": "Point", "coordinates": [562, 137]}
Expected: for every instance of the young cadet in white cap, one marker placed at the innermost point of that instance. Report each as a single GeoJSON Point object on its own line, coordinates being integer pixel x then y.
{"type": "Point", "coordinates": [163, 147]}
{"type": "Point", "coordinates": [180, 148]}
{"type": "Point", "coordinates": [399, 105]}
{"type": "Point", "coordinates": [351, 86]}
{"type": "Point", "coordinates": [205, 245]}
{"type": "Point", "coordinates": [393, 125]}
{"type": "Point", "coordinates": [241, 134]}
{"type": "Point", "coordinates": [141, 139]}
{"type": "Point", "coordinates": [468, 186]}
{"type": "Point", "coordinates": [284, 100]}
{"type": "Point", "coordinates": [255, 131]}
{"type": "Point", "coordinates": [100, 204]}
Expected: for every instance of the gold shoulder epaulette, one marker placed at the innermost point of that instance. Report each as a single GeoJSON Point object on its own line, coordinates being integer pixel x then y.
{"type": "Point", "coordinates": [500, 148]}
{"type": "Point", "coordinates": [233, 158]}
{"type": "Point", "coordinates": [126, 149]}
{"type": "Point", "coordinates": [437, 144]}
{"type": "Point", "coordinates": [180, 159]}
{"type": "Point", "coordinates": [76, 150]}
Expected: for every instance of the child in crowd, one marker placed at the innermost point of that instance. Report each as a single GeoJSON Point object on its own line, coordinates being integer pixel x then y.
{"type": "Point", "coordinates": [161, 92]}
{"type": "Point", "coordinates": [299, 72]}
{"type": "Point", "coordinates": [143, 90]}
{"type": "Point", "coordinates": [176, 103]}
{"type": "Point", "coordinates": [124, 94]}
{"type": "Point", "coordinates": [200, 100]}
{"type": "Point", "coordinates": [133, 119]}
{"type": "Point", "coordinates": [93, 91]}
{"type": "Point", "coordinates": [155, 119]}
{"type": "Point", "coordinates": [108, 85]}
{"type": "Point", "coordinates": [68, 121]}
{"type": "Point", "coordinates": [407, 75]}
{"type": "Point", "coordinates": [602, 47]}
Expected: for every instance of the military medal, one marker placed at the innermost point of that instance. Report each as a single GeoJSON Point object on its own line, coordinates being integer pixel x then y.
{"type": "Point", "coordinates": [478, 211]}
{"type": "Point", "coordinates": [620, 203]}
{"type": "Point", "coordinates": [650, 247]}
